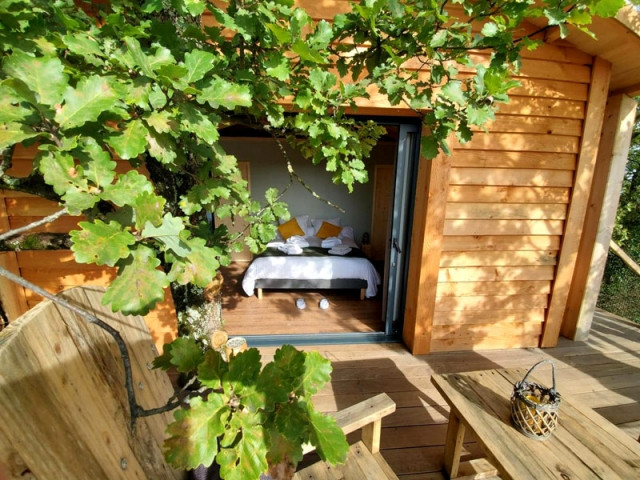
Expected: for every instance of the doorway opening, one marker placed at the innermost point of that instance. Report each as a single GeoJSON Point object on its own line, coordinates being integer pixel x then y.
{"type": "Point", "coordinates": [379, 213]}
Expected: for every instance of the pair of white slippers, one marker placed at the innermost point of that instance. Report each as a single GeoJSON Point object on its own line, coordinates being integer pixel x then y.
{"type": "Point", "coordinates": [301, 304]}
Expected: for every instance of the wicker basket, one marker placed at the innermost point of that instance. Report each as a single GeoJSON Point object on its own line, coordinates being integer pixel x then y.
{"type": "Point", "coordinates": [534, 408]}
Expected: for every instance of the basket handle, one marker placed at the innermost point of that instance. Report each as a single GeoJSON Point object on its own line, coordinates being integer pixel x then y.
{"type": "Point", "coordinates": [553, 373]}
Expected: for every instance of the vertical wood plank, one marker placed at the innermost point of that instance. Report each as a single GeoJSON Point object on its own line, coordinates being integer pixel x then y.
{"type": "Point", "coordinates": [4, 215]}
{"type": "Point", "coordinates": [601, 75]}
{"type": "Point", "coordinates": [12, 296]}
{"type": "Point", "coordinates": [426, 246]}
{"type": "Point", "coordinates": [601, 214]}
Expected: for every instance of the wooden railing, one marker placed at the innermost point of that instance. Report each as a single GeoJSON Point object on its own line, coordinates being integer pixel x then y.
{"type": "Point", "coordinates": [615, 248]}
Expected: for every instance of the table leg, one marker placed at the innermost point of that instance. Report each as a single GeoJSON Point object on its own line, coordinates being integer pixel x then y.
{"type": "Point", "coordinates": [453, 445]}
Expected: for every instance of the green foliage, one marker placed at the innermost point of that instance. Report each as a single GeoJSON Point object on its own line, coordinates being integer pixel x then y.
{"type": "Point", "coordinates": [139, 283]}
{"type": "Point", "coordinates": [101, 243]}
{"type": "Point", "coordinates": [147, 83]}
{"type": "Point", "coordinates": [616, 291]}
{"type": "Point", "coordinates": [252, 416]}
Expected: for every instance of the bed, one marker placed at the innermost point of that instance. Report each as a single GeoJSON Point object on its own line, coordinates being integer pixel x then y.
{"type": "Point", "coordinates": [308, 262]}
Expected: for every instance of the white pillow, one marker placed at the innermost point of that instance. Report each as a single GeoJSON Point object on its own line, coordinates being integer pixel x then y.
{"type": "Point", "coordinates": [316, 223]}
{"type": "Point", "coordinates": [347, 232]}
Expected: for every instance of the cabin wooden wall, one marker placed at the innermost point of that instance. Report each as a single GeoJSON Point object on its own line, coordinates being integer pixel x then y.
{"type": "Point", "coordinates": [515, 196]}
{"type": "Point", "coordinates": [496, 225]}
{"type": "Point", "coordinates": [56, 270]}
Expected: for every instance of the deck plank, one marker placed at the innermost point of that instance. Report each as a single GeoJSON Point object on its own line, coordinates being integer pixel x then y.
{"type": "Point", "coordinates": [602, 373]}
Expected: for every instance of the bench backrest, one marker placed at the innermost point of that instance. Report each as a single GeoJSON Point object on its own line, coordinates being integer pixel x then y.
{"type": "Point", "coordinates": [63, 406]}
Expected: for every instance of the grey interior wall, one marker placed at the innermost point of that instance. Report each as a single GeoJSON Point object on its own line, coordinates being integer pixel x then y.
{"type": "Point", "coordinates": [268, 169]}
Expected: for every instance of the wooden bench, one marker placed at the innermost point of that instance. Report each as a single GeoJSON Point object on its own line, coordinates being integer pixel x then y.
{"type": "Point", "coordinates": [364, 460]}
{"type": "Point", "coordinates": [64, 408]}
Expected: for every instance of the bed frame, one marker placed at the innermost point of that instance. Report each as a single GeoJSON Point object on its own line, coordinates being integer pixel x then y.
{"type": "Point", "coordinates": [288, 284]}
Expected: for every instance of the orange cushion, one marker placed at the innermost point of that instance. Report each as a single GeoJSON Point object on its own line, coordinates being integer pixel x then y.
{"type": "Point", "coordinates": [327, 230]}
{"type": "Point", "coordinates": [290, 228]}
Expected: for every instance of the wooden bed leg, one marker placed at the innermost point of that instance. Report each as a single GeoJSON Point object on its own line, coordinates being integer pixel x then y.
{"type": "Point", "coordinates": [259, 293]}
{"type": "Point", "coordinates": [362, 293]}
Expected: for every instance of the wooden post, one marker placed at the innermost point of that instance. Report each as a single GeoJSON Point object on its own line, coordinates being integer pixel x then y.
{"type": "Point", "coordinates": [426, 246]}
{"type": "Point", "coordinates": [601, 215]}
{"type": "Point", "coordinates": [573, 228]}
{"type": "Point", "coordinates": [622, 255]}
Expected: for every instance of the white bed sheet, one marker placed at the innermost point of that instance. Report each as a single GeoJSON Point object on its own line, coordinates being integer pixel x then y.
{"type": "Point", "coordinates": [295, 267]}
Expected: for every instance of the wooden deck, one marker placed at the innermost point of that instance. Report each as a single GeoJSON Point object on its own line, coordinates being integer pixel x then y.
{"type": "Point", "coordinates": [602, 373]}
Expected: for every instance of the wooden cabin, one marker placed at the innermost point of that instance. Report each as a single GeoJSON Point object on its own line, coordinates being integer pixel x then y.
{"type": "Point", "coordinates": [502, 244]}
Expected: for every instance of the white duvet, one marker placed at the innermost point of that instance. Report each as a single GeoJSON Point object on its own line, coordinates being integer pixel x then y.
{"type": "Point", "coordinates": [294, 267]}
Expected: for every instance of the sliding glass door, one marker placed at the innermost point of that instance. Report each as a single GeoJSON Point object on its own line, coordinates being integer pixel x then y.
{"type": "Point", "coordinates": [399, 233]}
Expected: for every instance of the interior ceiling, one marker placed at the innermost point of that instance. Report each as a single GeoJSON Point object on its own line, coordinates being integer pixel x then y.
{"type": "Point", "coordinates": [617, 41]}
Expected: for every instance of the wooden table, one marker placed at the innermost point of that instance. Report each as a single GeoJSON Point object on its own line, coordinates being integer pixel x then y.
{"type": "Point", "coordinates": [584, 446]}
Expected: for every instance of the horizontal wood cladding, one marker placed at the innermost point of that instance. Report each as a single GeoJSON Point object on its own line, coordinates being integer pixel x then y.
{"type": "Point", "coordinates": [498, 258]}
{"type": "Point", "coordinates": [511, 159]}
{"type": "Point", "coordinates": [491, 274]}
{"type": "Point", "coordinates": [471, 243]}
{"type": "Point", "coordinates": [540, 68]}
{"type": "Point", "coordinates": [61, 282]}
{"type": "Point", "coordinates": [61, 225]}
{"type": "Point", "coordinates": [539, 125]}
{"type": "Point", "coordinates": [549, 69]}
{"type": "Point", "coordinates": [555, 89]}
{"type": "Point", "coordinates": [461, 289]}
{"type": "Point", "coordinates": [56, 270]}
{"type": "Point", "coordinates": [60, 259]}
{"type": "Point", "coordinates": [28, 206]}
{"type": "Point", "coordinates": [488, 302]}
{"type": "Point", "coordinates": [512, 177]}
{"type": "Point", "coordinates": [542, 107]}
{"type": "Point", "coordinates": [23, 209]}
{"type": "Point", "coordinates": [551, 211]}
{"type": "Point", "coordinates": [479, 341]}
{"type": "Point", "coordinates": [460, 317]}
{"type": "Point", "coordinates": [522, 142]}
{"type": "Point", "coordinates": [503, 227]}
{"type": "Point", "coordinates": [506, 194]}
{"type": "Point", "coordinates": [506, 329]}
